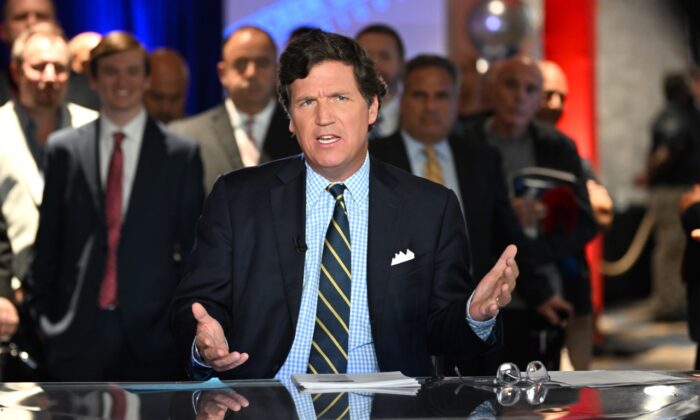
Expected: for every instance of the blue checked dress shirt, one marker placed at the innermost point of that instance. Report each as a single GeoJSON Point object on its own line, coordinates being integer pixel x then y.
{"type": "Point", "coordinates": [319, 210]}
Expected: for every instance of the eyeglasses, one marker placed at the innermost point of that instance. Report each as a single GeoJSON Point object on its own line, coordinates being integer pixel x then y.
{"type": "Point", "coordinates": [509, 374]}
{"type": "Point", "coordinates": [511, 383]}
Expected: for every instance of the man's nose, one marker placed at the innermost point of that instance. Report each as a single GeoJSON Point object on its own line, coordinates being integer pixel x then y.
{"type": "Point", "coordinates": [323, 114]}
{"type": "Point", "coordinates": [556, 100]}
{"type": "Point", "coordinates": [49, 74]}
{"type": "Point", "coordinates": [250, 69]}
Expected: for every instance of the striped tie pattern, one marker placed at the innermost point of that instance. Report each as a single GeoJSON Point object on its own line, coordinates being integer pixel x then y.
{"type": "Point", "coordinates": [432, 170]}
{"type": "Point", "coordinates": [329, 347]}
{"type": "Point", "coordinates": [331, 405]}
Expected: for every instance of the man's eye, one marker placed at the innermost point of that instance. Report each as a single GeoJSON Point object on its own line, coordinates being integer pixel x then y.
{"type": "Point", "coordinates": [341, 98]}
{"type": "Point", "coordinates": [306, 102]}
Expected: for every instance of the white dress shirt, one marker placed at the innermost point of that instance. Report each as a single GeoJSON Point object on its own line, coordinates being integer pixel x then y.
{"type": "Point", "coordinates": [261, 123]}
{"type": "Point", "coordinates": [131, 150]}
{"type": "Point", "coordinates": [443, 152]}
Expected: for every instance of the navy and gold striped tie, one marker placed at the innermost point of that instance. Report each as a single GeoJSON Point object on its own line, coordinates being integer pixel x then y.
{"type": "Point", "coordinates": [329, 348]}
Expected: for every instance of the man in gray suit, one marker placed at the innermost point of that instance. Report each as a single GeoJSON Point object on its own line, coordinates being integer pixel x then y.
{"type": "Point", "coordinates": [249, 127]}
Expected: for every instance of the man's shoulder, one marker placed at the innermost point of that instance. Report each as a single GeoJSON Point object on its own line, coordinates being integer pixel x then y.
{"type": "Point", "coordinates": [546, 132]}
{"type": "Point", "coordinates": [7, 109]}
{"type": "Point", "coordinates": [265, 175]}
{"type": "Point", "coordinates": [200, 121]}
{"type": "Point", "coordinates": [175, 138]}
{"type": "Point", "coordinates": [80, 115]}
{"type": "Point", "coordinates": [385, 146]}
{"type": "Point", "coordinates": [407, 184]}
{"type": "Point", "coordinates": [72, 136]}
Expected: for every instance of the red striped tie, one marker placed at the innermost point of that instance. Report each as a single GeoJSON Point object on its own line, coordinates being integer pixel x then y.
{"type": "Point", "coordinates": [113, 216]}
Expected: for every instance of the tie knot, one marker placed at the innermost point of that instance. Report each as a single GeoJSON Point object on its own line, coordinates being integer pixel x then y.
{"type": "Point", "coordinates": [336, 189]}
{"type": "Point", "coordinates": [429, 152]}
{"type": "Point", "coordinates": [118, 137]}
{"type": "Point", "coordinates": [249, 124]}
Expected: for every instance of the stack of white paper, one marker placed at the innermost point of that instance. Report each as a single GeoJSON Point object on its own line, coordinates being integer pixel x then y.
{"type": "Point", "coordinates": [383, 382]}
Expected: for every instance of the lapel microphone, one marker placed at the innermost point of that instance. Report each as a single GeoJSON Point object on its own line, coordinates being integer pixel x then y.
{"type": "Point", "coordinates": [299, 245]}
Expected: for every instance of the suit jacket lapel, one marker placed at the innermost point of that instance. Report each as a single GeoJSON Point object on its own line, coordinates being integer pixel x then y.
{"type": "Point", "coordinates": [145, 181]}
{"type": "Point", "coordinates": [89, 156]}
{"type": "Point", "coordinates": [288, 202]}
{"type": "Point", "coordinates": [221, 124]}
{"type": "Point", "coordinates": [384, 234]}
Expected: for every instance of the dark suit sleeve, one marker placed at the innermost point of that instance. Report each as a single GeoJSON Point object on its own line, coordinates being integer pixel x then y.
{"type": "Point", "coordinates": [207, 278]}
{"type": "Point", "coordinates": [47, 247]}
{"type": "Point", "coordinates": [448, 329]}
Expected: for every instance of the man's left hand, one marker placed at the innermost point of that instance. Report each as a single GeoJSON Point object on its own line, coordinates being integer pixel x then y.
{"type": "Point", "coordinates": [494, 291]}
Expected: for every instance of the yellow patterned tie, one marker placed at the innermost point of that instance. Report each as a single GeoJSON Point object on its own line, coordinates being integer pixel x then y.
{"type": "Point", "coordinates": [432, 170]}
{"type": "Point", "coordinates": [329, 346]}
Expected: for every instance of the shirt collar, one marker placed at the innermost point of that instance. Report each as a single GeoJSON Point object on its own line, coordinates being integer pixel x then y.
{"type": "Point", "coordinates": [238, 118]}
{"type": "Point", "coordinates": [63, 119]}
{"type": "Point", "coordinates": [415, 147]}
{"type": "Point", "coordinates": [132, 130]}
{"type": "Point", "coordinates": [357, 185]}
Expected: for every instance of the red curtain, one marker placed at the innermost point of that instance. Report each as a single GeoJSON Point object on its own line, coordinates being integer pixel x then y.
{"type": "Point", "coordinates": [569, 40]}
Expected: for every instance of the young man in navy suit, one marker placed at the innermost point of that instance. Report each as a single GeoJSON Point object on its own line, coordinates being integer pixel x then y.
{"type": "Point", "coordinates": [120, 204]}
{"type": "Point", "coordinates": [255, 303]}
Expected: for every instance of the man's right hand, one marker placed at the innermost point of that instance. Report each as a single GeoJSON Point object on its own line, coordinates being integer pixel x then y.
{"type": "Point", "coordinates": [553, 308]}
{"type": "Point", "coordinates": [211, 342]}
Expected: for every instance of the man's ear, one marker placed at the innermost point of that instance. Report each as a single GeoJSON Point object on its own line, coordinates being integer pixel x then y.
{"type": "Point", "coordinates": [15, 71]}
{"type": "Point", "coordinates": [373, 111]}
{"type": "Point", "coordinates": [221, 71]}
{"type": "Point", "coordinates": [4, 36]}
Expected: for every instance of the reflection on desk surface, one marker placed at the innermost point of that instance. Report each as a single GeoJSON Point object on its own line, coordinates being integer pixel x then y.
{"type": "Point", "coordinates": [445, 398]}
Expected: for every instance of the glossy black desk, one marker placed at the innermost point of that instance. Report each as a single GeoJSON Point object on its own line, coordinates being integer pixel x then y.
{"type": "Point", "coordinates": [446, 398]}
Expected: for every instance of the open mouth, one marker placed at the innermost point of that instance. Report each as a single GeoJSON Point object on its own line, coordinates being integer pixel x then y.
{"type": "Point", "coordinates": [327, 139]}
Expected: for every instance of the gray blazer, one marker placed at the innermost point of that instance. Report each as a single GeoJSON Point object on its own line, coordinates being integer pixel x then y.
{"type": "Point", "coordinates": [217, 143]}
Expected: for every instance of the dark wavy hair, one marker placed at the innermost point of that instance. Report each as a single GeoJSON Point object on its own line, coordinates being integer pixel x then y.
{"type": "Point", "coordinates": [117, 42]}
{"type": "Point", "coordinates": [318, 46]}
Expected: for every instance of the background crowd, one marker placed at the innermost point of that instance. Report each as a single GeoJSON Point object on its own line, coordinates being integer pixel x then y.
{"type": "Point", "coordinates": [89, 269]}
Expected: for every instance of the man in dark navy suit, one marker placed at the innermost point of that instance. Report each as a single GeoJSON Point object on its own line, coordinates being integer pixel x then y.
{"type": "Point", "coordinates": [255, 301]}
{"type": "Point", "coordinates": [120, 204]}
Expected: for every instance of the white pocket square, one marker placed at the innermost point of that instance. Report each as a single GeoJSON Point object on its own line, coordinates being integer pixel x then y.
{"type": "Point", "coordinates": [402, 257]}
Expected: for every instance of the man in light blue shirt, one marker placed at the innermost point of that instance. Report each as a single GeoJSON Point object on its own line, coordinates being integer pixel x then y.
{"type": "Point", "coordinates": [253, 301]}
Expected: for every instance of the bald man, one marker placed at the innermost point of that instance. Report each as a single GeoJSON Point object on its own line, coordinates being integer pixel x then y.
{"type": "Point", "coordinates": [250, 127]}
{"type": "Point", "coordinates": [515, 94]}
{"type": "Point", "coordinates": [80, 46]}
{"type": "Point", "coordinates": [79, 90]}
{"type": "Point", "coordinates": [555, 89]}
{"type": "Point", "coordinates": [165, 98]}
